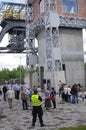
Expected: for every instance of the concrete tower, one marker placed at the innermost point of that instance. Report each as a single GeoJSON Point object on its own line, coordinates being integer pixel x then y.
{"type": "Point", "coordinates": [58, 27]}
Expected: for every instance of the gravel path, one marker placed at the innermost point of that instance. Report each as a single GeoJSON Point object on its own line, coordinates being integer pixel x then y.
{"type": "Point", "coordinates": [64, 115]}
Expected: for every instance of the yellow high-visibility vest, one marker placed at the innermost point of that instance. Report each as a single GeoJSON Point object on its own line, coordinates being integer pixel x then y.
{"type": "Point", "coordinates": [35, 100]}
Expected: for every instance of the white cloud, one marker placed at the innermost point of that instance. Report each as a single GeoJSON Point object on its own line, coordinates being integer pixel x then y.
{"type": "Point", "coordinates": [4, 41]}
{"type": "Point", "coordinates": [11, 61]}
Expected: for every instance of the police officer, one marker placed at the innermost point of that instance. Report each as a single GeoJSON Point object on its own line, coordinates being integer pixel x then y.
{"type": "Point", "coordinates": [37, 108]}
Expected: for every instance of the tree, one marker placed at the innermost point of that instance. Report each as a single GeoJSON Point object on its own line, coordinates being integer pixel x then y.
{"type": "Point", "coordinates": [6, 74]}
{"type": "Point", "coordinates": [85, 66]}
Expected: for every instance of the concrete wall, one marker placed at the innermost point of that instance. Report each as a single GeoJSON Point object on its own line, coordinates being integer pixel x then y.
{"type": "Point", "coordinates": [53, 76]}
{"type": "Point", "coordinates": [32, 81]}
{"type": "Point", "coordinates": [71, 42]}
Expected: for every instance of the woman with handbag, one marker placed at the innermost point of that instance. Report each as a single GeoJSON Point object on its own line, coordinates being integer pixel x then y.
{"type": "Point", "coordinates": [53, 97]}
{"type": "Point", "coordinates": [47, 99]}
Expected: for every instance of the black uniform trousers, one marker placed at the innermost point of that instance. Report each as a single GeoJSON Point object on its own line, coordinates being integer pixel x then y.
{"type": "Point", "coordinates": [37, 110]}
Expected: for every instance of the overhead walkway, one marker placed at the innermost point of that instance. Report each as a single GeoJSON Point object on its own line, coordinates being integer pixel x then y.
{"type": "Point", "coordinates": [12, 16]}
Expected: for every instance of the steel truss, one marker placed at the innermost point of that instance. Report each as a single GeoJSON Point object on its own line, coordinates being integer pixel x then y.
{"type": "Point", "coordinates": [30, 49]}
{"type": "Point", "coordinates": [52, 37]}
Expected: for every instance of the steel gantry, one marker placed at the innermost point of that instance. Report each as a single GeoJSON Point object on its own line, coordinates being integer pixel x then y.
{"type": "Point", "coordinates": [31, 51]}
{"type": "Point", "coordinates": [13, 22]}
{"type": "Point", "coordinates": [52, 36]}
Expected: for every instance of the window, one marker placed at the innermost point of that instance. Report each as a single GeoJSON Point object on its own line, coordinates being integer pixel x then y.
{"type": "Point", "coordinates": [69, 6]}
{"type": "Point", "coordinates": [41, 6]}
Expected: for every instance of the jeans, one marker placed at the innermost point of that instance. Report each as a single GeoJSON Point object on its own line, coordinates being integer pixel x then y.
{"type": "Point", "coordinates": [4, 97]}
{"type": "Point", "coordinates": [74, 98]}
{"type": "Point", "coordinates": [24, 104]}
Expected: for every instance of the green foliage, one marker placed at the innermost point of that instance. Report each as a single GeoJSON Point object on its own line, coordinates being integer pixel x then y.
{"type": "Point", "coordinates": [75, 128]}
{"type": "Point", "coordinates": [7, 74]}
{"type": "Point", "coordinates": [4, 74]}
{"type": "Point", "coordinates": [85, 66]}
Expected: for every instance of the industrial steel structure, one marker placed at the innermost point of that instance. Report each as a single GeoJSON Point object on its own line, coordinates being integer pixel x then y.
{"type": "Point", "coordinates": [57, 25]}
{"type": "Point", "coordinates": [12, 21]}
{"type": "Point", "coordinates": [58, 28]}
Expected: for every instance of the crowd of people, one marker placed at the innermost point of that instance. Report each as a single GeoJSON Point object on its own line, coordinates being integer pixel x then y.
{"type": "Point", "coordinates": [31, 98]}
{"type": "Point", "coordinates": [70, 93]}
{"type": "Point", "coordinates": [34, 98]}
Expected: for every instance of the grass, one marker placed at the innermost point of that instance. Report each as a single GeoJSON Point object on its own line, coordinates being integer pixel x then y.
{"type": "Point", "coordinates": [75, 128]}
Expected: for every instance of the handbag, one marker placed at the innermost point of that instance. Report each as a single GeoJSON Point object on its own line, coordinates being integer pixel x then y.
{"type": "Point", "coordinates": [52, 97]}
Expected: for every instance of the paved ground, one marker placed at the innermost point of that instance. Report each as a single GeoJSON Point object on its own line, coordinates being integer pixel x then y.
{"type": "Point", "coordinates": [63, 116]}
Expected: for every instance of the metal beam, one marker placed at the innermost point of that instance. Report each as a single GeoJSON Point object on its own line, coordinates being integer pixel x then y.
{"type": "Point", "coordinates": [74, 53]}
